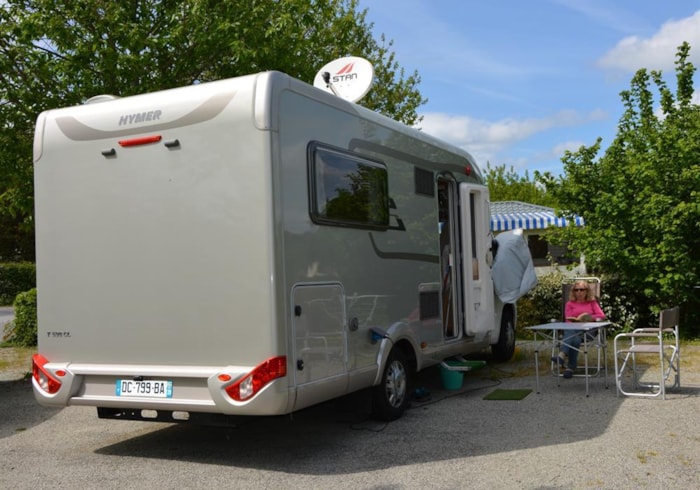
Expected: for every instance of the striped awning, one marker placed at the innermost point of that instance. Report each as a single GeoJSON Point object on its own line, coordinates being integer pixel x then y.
{"type": "Point", "coordinates": [511, 215]}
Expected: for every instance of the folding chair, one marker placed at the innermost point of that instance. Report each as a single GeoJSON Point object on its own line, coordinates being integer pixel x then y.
{"type": "Point", "coordinates": [596, 339]}
{"type": "Point", "coordinates": [662, 344]}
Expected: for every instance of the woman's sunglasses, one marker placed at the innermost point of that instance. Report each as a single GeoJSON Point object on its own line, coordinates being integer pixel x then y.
{"type": "Point", "coordinates": [580, 289]}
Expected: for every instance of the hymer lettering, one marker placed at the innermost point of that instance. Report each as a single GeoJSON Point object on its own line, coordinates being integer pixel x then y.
{"type": "Point", "coordinates": [140, 117]}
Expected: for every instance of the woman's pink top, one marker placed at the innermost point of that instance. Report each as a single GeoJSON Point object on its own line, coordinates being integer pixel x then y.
{"type": "Point", "coordinates": [576, 308]}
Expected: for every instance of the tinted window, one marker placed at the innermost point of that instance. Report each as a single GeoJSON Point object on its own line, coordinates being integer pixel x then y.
{"type": "Point", "coordinates": [347, 189]}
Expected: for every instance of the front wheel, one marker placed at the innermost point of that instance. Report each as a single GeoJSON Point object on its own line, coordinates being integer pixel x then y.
{"type": "Point", "coordinates": [505, 347]}
{"type": "Point", "coordinates": [390, 396]}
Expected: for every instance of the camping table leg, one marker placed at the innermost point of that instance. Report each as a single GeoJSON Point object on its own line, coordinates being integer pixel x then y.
{"type": "Point", "coordinates": [602, 334]}
{"type": "Point", "coordinates": [585, 358]}
{"type": "Point", "coordinates": [537, 365]}
{"type": "Point", "coordinates": [557, 341]}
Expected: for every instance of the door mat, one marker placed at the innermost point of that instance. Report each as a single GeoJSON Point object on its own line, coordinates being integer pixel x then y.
{"type": "Point", "coordinates": [507, 394]}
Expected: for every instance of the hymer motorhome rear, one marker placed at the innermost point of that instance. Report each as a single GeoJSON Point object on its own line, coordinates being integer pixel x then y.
{"type": "Point", "coordinates": [253, 246]}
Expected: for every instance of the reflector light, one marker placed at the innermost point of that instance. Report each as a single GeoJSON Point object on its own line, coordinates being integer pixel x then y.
{"type": "Point", "coordinates": [143, 140]}
{"type": "Point", "coordinates": [42, 376]}
{"type": "Point", "coordinates": [181, 416]}
{"type": "Point", "coordinates": [224, 377]}
{"type": "Point", "coordinates": [263, 374]}
{"type": "Point", "coordinates": [468, 170]}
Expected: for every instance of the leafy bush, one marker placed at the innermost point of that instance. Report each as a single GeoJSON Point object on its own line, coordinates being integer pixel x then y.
{"type": "Point", "coordinates": [541, 304]}
{"type": "Point", "coordinates": [25, 324]}
{"type": "Point", "coordinates": [15, 278]}
{"type": "Point", "coordinates": [620, 306]}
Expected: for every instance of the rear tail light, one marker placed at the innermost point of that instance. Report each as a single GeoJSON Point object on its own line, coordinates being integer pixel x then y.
{"type": "Point", "coordinates": [273, 368]}
{"type": "Point", "coordinates": [43, 377]}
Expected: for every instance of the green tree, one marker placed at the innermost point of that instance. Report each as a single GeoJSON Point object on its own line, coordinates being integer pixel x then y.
{"type": "Point", "coordinates": [16, 239]}
{"type": "Point", "coordinates": [641, 200]}
{"type": "Point", "coordinates": [57, 53]}
{"type": "Point", "coordinates": [505, 184]}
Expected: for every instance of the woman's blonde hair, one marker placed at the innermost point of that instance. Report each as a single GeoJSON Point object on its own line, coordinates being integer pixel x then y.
{"type": "Point", "coordinates": [578, 284]}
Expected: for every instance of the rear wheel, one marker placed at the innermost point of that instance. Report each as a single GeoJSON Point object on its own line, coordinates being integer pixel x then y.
{"type": "Point", "coordinates": [505, 347]}
{"type": "Point", "coordinates": [390, 397]}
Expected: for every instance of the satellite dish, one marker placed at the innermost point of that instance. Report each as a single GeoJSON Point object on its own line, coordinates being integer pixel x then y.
{"type": "Point", "coordinates": [349, 78]}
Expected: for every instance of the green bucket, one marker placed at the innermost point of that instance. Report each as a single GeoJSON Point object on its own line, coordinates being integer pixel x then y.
{"type": "Point", "coordinates": [452, 371]}
{"type": "Point", "coordinates": [451, 380]}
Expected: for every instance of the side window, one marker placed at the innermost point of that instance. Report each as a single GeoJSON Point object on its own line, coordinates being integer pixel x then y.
{"type": "Point", "coordinates": [347, 189]}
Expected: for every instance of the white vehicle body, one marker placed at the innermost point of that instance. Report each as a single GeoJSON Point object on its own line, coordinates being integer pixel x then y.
{"type": "Point", "coordinates": [252, 246]}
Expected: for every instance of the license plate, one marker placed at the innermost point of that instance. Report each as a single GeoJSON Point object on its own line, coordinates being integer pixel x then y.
{"type": "Point", "coordinates": [148, 388]}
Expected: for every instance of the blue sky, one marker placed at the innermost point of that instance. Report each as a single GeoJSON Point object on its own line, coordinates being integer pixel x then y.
{"type": "Point", "coordinates": [518, 82]}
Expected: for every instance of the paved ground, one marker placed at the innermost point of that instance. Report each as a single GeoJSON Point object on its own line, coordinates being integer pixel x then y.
{"type": "Point", "coordinates": [7, 313]}
{"type": "Point", "coordinates": [555, 439]}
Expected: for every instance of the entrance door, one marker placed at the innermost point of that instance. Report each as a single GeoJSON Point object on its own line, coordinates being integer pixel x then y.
{"type": "Point", "coordinates": [476, 240]}
{"type": "Point", "coordinates": [451, 285]}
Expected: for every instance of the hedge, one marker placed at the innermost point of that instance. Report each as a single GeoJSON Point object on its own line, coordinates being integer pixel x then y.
{"type": "Point", "coordinates": [14, 279]}
{"type": "Point", "coordinates": [25, 329]}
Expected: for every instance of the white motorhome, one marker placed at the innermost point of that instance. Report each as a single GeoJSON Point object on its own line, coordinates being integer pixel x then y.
{"type": "Point", "coordinates": [252, 246]}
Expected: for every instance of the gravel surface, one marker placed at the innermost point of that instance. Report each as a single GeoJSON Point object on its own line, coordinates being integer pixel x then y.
{"type": "Point", "coordinates": [558, 438]}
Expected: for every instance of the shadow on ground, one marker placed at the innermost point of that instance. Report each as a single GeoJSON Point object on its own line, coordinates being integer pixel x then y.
{"type": "Point", "coordinates": [338, 438]}
{"type": "Point", "coordinates": [20, 410]}
{"type": "Point", "coordinates": [448, 425]}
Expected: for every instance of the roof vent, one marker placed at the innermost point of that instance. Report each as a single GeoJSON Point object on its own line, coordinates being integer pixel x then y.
{"type": "Point", "coordinates": [101, 98]}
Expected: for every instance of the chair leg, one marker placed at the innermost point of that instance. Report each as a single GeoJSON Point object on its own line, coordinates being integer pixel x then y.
{"type": "Point", "coordinates": [662, 381]}
{"type": "Point", "coordinates": [666, 353]}
{"type": "Point", "coordinates": [673, 368]}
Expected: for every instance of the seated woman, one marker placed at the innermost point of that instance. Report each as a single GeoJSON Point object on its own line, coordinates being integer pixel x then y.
{"type": "Point", "coordinates": [581, 307]}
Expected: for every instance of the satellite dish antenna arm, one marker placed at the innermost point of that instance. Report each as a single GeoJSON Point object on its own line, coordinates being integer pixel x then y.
{"type": "Point", "coordinates": [327, 78]}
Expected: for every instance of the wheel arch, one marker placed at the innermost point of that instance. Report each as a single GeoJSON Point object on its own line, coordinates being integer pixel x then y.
{"type": "Point", "coordinates": [396, 339]}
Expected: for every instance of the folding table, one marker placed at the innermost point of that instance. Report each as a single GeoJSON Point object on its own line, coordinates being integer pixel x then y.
{"type": "Point", "coordinates": [549, 332]}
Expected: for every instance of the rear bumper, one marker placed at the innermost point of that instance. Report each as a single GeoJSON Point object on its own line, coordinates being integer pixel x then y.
{"type": "Point", "coordinates": [169, 416]}
{"type": "Point", "coordinates": [194, 389]}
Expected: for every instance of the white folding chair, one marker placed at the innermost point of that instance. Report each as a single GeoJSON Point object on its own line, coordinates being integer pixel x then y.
{"type": "Point", "coordinates": [657, 345]}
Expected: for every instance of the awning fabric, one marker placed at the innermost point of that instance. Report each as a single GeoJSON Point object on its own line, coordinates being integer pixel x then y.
{"type": "Point", "coordinates": [512, 215]}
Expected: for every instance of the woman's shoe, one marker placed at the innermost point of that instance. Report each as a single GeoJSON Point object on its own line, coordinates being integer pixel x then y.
{"type": "Point", "coordinates": [568, 373]}
{"type": "Point", "coordinates": [560, 360]}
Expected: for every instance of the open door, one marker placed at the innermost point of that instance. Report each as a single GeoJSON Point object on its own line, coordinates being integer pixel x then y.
{"type": "Point", "coordinates": [476, 242]}
{"type": "Point", "coordinates": [450, 283]}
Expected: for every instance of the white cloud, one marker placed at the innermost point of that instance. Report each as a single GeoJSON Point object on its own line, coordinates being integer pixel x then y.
{"type": "Point", "coordinates": [486, 139]}
{"type": "Point", "coordinates": [604, 13]}
{"type": "Point", "coordinates": [559, 149]}
{"type": "Point", "coordinates": [657, 52]}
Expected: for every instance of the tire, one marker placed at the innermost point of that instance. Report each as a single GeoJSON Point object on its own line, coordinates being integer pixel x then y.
{"type": "Point", "coordinates": [505, 347]}
{"type": "Point", "coordinates": [390, 397]}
